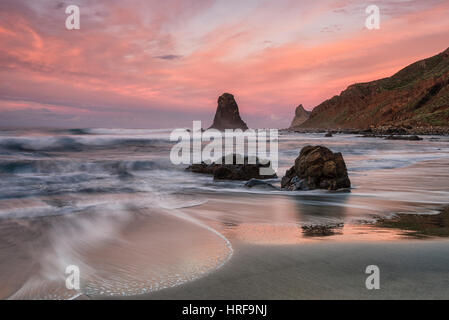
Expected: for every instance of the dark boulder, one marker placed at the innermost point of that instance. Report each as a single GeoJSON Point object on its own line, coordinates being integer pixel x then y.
{"type": "Point", "coordinates": [235, 168]}
{"type": "Point", "coordinates": [317, 167]}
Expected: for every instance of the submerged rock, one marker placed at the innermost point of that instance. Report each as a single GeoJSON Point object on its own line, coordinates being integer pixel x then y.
{"type": "Point", "coordinates": [317, 167]}
{"type": "Point", "coordinates": [242, 168]}
{"type": "Point", "coordinates": [328, 135]}
{"type": "Point", "coordinates": [259, 184]}
{"type": "Point", "coordinates": [410, 138]}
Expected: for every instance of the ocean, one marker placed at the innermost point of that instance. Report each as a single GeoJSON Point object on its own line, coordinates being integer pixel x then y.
{"type": "Point", "coordinates": [110, 202]}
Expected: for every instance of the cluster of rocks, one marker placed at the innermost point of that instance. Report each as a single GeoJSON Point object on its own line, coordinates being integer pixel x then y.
{"type": "Point", "coordinates": [321, 130]}
{"type": "Point", "coordinates": [387, 133]}
{"type": "Point", "coordinates": [409, 130]}
{"type": "Point", "coordinates": [317, 167]}
{"type": "Point", "coordinates": [381, 131]}
{"type": "Point", "coordinates": [393, 137]}
{"type": "Point", "coordinates": [234, 167]}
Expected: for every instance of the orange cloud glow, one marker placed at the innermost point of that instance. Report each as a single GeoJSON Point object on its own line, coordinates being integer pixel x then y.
{"type": "Point", "coordinates": [164, 63]}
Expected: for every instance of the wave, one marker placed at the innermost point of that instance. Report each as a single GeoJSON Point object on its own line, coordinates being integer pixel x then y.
{"type": "Point", "coordinates": [94, 131]}
{"type": "Point", "coordinates": [40, 144]}
{"type": "Point", "coordinates": [120, 250]}
{"type": "Point", "coordinates": [49, 166]}
{"type": "Point", "coordinates": [74, 131]}
{"type": "Point", "coordinates": [117, 131]}
{"type": "Point", "coordinates": [76, 144]}
{"type": "Point", "coordinates": [22, 179]}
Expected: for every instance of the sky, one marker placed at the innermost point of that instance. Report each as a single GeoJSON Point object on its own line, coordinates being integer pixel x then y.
{"type": "Point", "coordinates": [163, 64]}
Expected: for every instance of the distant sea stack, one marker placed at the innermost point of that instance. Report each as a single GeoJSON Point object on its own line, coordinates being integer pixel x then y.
{"type": "Point", "coordinates": [301, 115]}
{"type": "Point", "coordinates": [227, 115]}
{"type": "Point", "coordinates": [415, 97]}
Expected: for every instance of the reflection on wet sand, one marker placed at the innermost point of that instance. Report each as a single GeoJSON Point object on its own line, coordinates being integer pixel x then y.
{"type": "Point", "coordinates": [322, 230]}
{"type": "Point", "coordinates": [420, 226]}
{"type": "Point", "coordinates": [310, 207]}
{"type": "Point", "coordinates": [266, 234]}
{"type": "Point", "coordinates": [297, 219]}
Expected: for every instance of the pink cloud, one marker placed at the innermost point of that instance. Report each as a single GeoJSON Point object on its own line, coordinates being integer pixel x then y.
{"type": "Point", "coordinates": [157, 60]}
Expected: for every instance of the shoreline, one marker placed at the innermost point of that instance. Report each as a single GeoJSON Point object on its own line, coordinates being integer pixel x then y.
{"type": "Point", "coordinates": [380, 131]}
{"type": "Point", "coordinates": [323, 268]}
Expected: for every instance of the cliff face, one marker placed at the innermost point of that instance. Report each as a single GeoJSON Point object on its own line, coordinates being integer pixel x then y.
{"type": "Point", "coordinates": [227, 115]}
{"type": "Point", "coordinates": [418, 95]}
{"type": "Point", "coordinates": [301, 115]}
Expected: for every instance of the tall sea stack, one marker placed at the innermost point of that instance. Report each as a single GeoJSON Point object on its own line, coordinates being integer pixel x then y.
{"type": "Point", "coordinates": [227, 115]}
{"type": "Point", "coordinates": [301, 115]}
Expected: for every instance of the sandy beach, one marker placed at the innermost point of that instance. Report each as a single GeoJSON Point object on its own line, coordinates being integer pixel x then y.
{"type": "Point", "coordinates": [143, 228]}
{"type": "Point", "coordinates": [325, 270]}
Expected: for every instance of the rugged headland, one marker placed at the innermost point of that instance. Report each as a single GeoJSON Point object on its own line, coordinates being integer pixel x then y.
{"type": "Point", "coordinates": [415, 99]}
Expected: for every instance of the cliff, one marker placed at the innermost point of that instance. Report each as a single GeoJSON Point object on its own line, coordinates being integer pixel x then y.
{"type": "Point", "coordinates": [416, 96]}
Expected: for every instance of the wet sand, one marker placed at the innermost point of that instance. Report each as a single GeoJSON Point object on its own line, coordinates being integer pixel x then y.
{"type": "Point", "coordinates": [272, 258]}
{"type": "Point", "coordinates": [126, 255]}
{"type": "Point", "coordinates": [277, 250]}
{"type": "Point", "coordinates": [409, 269]}
{"type": "Point", "coordinates": [287, 261]}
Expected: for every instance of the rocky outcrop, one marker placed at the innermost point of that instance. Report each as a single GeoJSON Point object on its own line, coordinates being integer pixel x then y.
{"type": "Point", "coordinates": [409, 138]}
{"type": "Point", "coordinates": [247, 170]}
{"type": "Point", "coordinates": [227, 115]}
{"type": "Point", "coordinates": [317, 167]}
{"type": "Point", "coordinates": [420, 130]}
{"type": "Point", "coordinates": [415, 97]}
{"type": "Point", "coordinates": [393, 137]}
{"type": "Point", "coordinates": [301, 115]}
